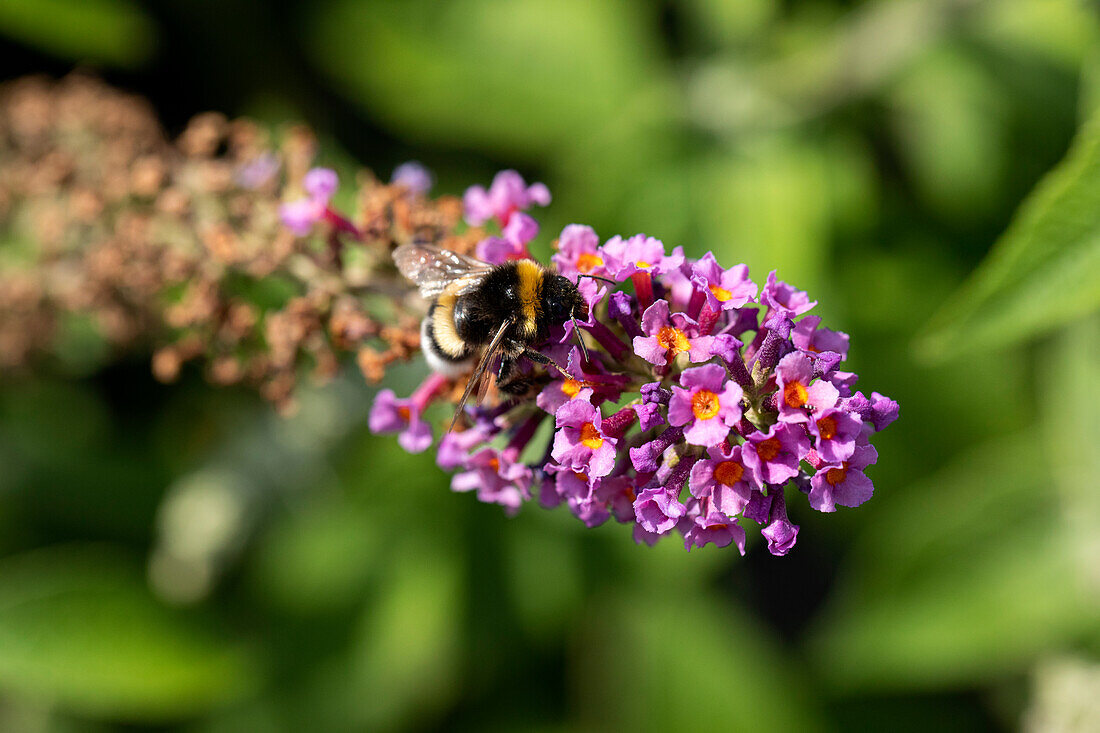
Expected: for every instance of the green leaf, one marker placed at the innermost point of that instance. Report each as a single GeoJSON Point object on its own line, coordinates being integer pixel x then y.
{"type": "Point", "coordinates": [116, 32]}
{"type": "Point", "coordinates": [1042, 273]}
{"type": "Point", "coordinates": [79, 629]}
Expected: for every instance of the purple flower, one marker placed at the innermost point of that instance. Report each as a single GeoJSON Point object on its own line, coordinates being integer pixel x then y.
{"type": "Point", "coordinates": [843, 483]}
{"type": "Point", "coordinates": [669, 335]}
{"type": "Point", "coordinates": [413, 176]}
{"type": "Point", "coordinates": [836, 432]}
{"type": "Point", "coordinates": [657, 510]}
{"type": "Point", "coordinates": [391, 415]}
{"type": "Point", "coordinates": [507, 195]}
{"type": "Point", "coordinates": [496, 479]}
{"type": "Point", "coordinates": [780, 533]}
{"type": "Point", "coordinates": [707, 404]}
{"type": "Point", "coordinates": [624, 257]}
{"type": "Point", "coordinates": [301, 215]}
{"type": "Point", "coordinates": [797, 394]}
{"type": "Point", "coordinates": [520, 230]}
{"type": "Point", "coordinates": [774, 456]}
{"type": "Point", "coordinates": [579, 444]}
{"type": "Point", "coordinates": [843, 381]}
{"type": "Point", "coordinates": [714, 527]}
{"type": "Point", "coordinates": [725, 480]}
{"type": "Point", "coordinates": [578, 252]}
{"type": "Point", "coordinates": [617, 493]}
{"type": "Point", "coordinates": [883, 410]}
{"type": "Point", "coordinates": [781, 296]}
{"type": "Point", "coordinates": [321, 183]}
{"type": "Point", "coordinates": [807, 335]}
{"type": "Point", "coordinates": [724, 289]}
{"type": "Point", "coordinates": [454, 448]}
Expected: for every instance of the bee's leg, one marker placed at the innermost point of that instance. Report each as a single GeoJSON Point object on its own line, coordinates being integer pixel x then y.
{"type": "Point", "coordinates": [540, 358]}
{"type": "Point", "coordinates": [507, 364]}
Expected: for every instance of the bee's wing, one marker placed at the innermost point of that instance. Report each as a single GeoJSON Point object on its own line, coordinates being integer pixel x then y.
{"type": "Point", "coordinates": [486, 358]}
{"type": "Point", "coordinates": [432, 269]}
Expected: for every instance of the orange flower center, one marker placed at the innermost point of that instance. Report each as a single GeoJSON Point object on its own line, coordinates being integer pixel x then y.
{"type": "Point", "coordinates": [405, 413]}
{"type": "Point", "coordinates": [673, 340]}
{"type": "Point", "coordinates": [494, 464]}
{"type": "Point", "coordinates": [720, 293]}
{"type": "Point", "coordinates": [728, 473]}
{"type": "Point", "coordinates": [590, 437]}
{"type": "Point", "coordinates": [581, 476]}
{"type": "Point", "coordinates": [588, 262]}
{"type": "Point", "coordinates": [826, 428]}
{"type": "Point", "coordinates": [836, 475]}
{"type": "Point", "coordinates": [571, 388]}
{"type": "Point", "coordinates": [768, 449]}
{"type": "Point", "coordinates": [704, 404]}
{"type": "Point", "coordinates": [794, 394]}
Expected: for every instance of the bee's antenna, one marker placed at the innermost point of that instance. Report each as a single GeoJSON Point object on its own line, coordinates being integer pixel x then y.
{"type": "Point", "coordinates": [580, 339]}
{"type": "Point", "coordinates": [598, 277]}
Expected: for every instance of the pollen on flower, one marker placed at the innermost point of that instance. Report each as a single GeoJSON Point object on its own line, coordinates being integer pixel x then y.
{"type": "Point", "coordinates": [673, 340]}
{"type": "Point", "coordinates": [795, 394]}
{"type": "Point", "coordinates": [837, 475]}
{"type": "Point", "coordinates": [728, 473]}
{"type": "Point", "coordinates": [826, 428]}
{"type": "Point", "coordinates": [587, 262]}
{"type": "Point", "coordinates": [704, 404]}
{"type": "Point", "coordinates": [405, 413]}
{"type": "Point", "coordinates": [494, 464]}
{"type": "Point", "coordinates": [571, 388]}
{"type": "Point", "coordinates": [769, 449]}
{"type": "Point", "coordinates": [642, 264]}
{"type": "Point", "coordinates": [590, 436]}
{"type": "Point", "coordinates": [720, 293]}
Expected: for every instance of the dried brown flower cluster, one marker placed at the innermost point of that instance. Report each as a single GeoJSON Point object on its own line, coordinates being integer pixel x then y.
{"type": "Point", "coordinates": [177, 247]}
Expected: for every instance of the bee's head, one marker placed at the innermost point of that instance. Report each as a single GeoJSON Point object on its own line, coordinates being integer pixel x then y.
{"type": "Point", "coordinates": [562, 300]}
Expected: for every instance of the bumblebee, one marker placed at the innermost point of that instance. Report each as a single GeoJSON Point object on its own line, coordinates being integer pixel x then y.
{"type": "Point", "coordinates": [491, 310]}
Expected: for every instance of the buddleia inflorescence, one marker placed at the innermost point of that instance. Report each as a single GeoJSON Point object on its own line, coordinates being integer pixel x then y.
{"type": "Point", "coordinates": [699, 398]}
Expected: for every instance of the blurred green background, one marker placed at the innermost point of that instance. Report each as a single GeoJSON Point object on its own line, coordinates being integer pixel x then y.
{"type": "Point", "coordinates": [180, 558]}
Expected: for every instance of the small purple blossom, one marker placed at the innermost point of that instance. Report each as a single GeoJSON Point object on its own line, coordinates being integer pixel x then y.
{"type": "Point", "coordinates": [781, 296]}
{"type": "Point", "coordinates": [716, 528]}
{"type": "Point", "coordinates": [414, 177]}
{"type": "Point", "coordinates": [808, 336]}
{"type": "Point", "coordinates": [301, 215]}
{"type": "Point", "coordinates": [578, 252]}
{"type": "Point", "coordinates": [667, 335]}
{"type": "Point", "coordinates": [625, 257]}
{"type": "Point", "coordinates": [773, 456]}
{"type": "Point", "coordinates": [496, 479]}
{"type": "Point", "coordinates": [658, 510]}
{"type": "Point", "coordinates": [708, 405]}
{"type": "Point", "coordinates": [724, 479]}
{"type": "Point", "coordinates": [579, 442]}
{"type": "Point", "coordinates": [835, 433]}
{"type": "Point", "coordinates": [508, 194]}
{"type": "Point", "coordinates": [797, 396]}
{"type": "Point", "coordinates": [780, 533]}
{"type": "Point", "coordinates": [391, 415]}
{"type": "Point", "coordinates": [723, 289]}
{"type": "Point", "coordinates": [844, 483]}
